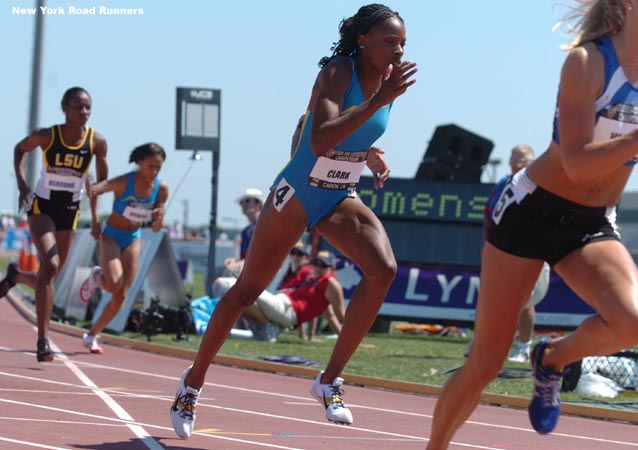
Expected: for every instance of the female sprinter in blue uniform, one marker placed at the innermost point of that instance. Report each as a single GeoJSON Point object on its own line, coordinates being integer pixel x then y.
{"type": "Point", "coordinates": [561, 209]}
{"type": "Point", "coordinates": [139, 198]}
{"type": "Point", "coordinates": [54, 206]}
{"type": "Point", "coordinates": [348, 111]}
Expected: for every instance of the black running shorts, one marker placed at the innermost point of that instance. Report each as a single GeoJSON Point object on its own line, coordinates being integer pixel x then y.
{"type": "Point", "coordinates": [531, 222]}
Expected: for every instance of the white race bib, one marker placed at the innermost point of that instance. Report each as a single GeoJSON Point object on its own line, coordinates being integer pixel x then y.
{"type": "Point", "coordinates": [341, 170]}
{"type": "Point", "coordinates": [137, 213]}
{"type": "Point", "coordinates": [55, 182]}
{"type": "Point", "coordinates": [610, 128]}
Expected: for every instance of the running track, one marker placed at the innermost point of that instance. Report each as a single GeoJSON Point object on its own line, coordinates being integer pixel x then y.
{"type": "Point", "coordinates": [120, 401]}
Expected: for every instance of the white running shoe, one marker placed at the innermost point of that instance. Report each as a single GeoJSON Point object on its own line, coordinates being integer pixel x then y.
{"type": "Point", "coordinates": [89, 285]}
{"type": "Point", "coordinates": [91, 343]}
{"type": "Point", "coordinates": [520, 352]}
{"type": "Point", "coordinates": [184, 409]}
{"type": "Point", "coordinates": [330, 396]}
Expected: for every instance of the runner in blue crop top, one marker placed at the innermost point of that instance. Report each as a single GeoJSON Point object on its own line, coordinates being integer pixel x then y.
{"type": "Point", "coordinates": [348, 110]}
{"type": "Point", "coordinates": [139, 198]}
{"type": "Point", "coordinates": [560, 209]}
{"type": "Point", "coordinates": [320, 183]}
{"type": "Point", "coordinates": [134, 209]}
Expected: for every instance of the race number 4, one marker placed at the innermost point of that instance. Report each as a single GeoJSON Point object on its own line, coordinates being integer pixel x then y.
{"type": "Point", "coordinates": [283, 193]}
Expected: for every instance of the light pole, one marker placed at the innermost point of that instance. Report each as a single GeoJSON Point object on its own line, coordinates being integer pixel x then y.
{"type": "Point", "coordinates": [185, 203]}
{"type": "Point", "coordinates": [198, 120]}
{"type": "Point", "coordinates": [34, 111]}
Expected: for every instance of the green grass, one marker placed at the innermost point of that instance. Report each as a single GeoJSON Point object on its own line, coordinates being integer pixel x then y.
{"type": "Point", "coordinates": [417, 358]}
{"type": "Point", "coordinates": [397, 356]}
{"type": "Point", "coordinates": [414, 358]}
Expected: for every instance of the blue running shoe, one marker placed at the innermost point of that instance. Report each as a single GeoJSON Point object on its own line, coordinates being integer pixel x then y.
{"type": "Point", "coordinates": [544, 409]}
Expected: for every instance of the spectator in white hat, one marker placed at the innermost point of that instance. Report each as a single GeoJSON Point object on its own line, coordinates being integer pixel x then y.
{"type": "Point", "coordinates": [251, 203]}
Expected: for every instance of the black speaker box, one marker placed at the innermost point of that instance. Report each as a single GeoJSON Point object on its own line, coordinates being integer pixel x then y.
{"type": "Point", "coordinates": [455, 154]}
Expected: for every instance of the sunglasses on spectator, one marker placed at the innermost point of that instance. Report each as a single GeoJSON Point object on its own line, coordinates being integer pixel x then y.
{"type": "Point", "coordinates": [249, 199]}
{"type": "Point", "coordinates": [319, 264]}
{"type": "Point", "coordinates": [295, 252]}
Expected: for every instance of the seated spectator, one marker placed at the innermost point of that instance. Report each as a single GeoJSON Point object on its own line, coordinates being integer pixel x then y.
{"type": "Point", "coordinates": [297, 272]}
{"type": "Point", "coordinates": [251, 203]}
{"type": "Point", "coordinates": [298, 267]}
{"type": "Point", "coordinates": [320, 293]}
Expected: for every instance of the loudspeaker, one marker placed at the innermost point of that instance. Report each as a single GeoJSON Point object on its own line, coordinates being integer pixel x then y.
{"type": "Point", "coordinates": [454, 154]}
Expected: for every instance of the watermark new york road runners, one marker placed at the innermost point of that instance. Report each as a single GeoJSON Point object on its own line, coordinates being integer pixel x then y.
{"type": "Point", "coordinates": [76, 11]}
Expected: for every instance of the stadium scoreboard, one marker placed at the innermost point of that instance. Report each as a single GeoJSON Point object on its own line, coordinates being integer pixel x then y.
{"type": "Point", "coordinates": [431, 222]}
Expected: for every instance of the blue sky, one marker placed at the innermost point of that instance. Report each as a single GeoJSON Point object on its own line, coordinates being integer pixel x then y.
{"type": "Point", "coordinates": [490, 67]}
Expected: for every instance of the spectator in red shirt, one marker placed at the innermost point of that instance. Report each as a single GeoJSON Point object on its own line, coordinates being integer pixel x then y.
{"type": "Point", "coordinates": [298, 267]}
{"type": "Point", "coordinates": [319, 293]}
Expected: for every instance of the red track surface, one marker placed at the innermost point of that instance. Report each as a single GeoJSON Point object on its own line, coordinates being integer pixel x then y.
{"type": "Point", "coordinates": [120, 401]}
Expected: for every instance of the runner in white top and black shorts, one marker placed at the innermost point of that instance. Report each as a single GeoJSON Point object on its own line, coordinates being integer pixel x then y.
{"type": "Point", "coordinates": [561, 209]}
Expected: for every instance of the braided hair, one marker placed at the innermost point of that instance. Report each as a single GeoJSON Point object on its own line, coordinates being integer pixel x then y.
{"type": "Point", "coordinates": [349, 29]}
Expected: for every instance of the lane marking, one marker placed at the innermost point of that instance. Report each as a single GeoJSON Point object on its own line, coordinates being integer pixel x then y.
{"type": "Point", "coordinates": [65, 422]}
{"type": "Point", "coordinates": [120, 412]}
{"type": "Point", "coordinates": [31, 444]}
{"type": "Point", "coordinates": [147, 425]}
{"type": "Point", "coordinates": [306, 403]}
{"type": "Point", "coordinates": [223, 408]}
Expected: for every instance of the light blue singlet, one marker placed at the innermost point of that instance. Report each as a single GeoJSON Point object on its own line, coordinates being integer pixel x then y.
{"type": "Point", "coordinates": [133, 208]}
{"type": "Point", "coordinates": [321, 183]}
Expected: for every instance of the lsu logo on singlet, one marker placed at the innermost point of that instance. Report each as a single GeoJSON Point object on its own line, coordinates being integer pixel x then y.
{"type": "Point", "coordinates": [70, 161]}
{"type": "Point", "coordinates": [63, 159]}
{"type": "Point", "coordinates": [64, 166]}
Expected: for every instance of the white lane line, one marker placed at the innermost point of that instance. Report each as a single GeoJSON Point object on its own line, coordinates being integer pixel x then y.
{"type": "Point", "coordinates": [65, 422]}
{"type": "Point", "coordinates": [138, 431]}
{"type": "Point", "coordinates": [371, 408]}
{"type": "Point", "coordinates": [30, 444]}
{"type": "Point", "coordinates": [146, 425]}
{"type": "Point", "coordinates": [249, 390]}
{"type": "Point", "coordinates": [70, 393]}
{"type": "Point", "coordinates": [201, 405]}
{"type": "Point", "coordinates": [274, 394]}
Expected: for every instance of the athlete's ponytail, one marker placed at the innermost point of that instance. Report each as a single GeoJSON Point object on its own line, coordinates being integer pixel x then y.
{"type": "Point", "coordinates": [591, 19]}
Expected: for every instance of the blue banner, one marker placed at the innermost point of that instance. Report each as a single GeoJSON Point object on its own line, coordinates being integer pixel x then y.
{"type": "Point", "coordinates": [426, 293]}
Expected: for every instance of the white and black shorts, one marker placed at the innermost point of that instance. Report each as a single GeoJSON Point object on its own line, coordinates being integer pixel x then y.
{"type": "Point", "coordinates": [531, 222]}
